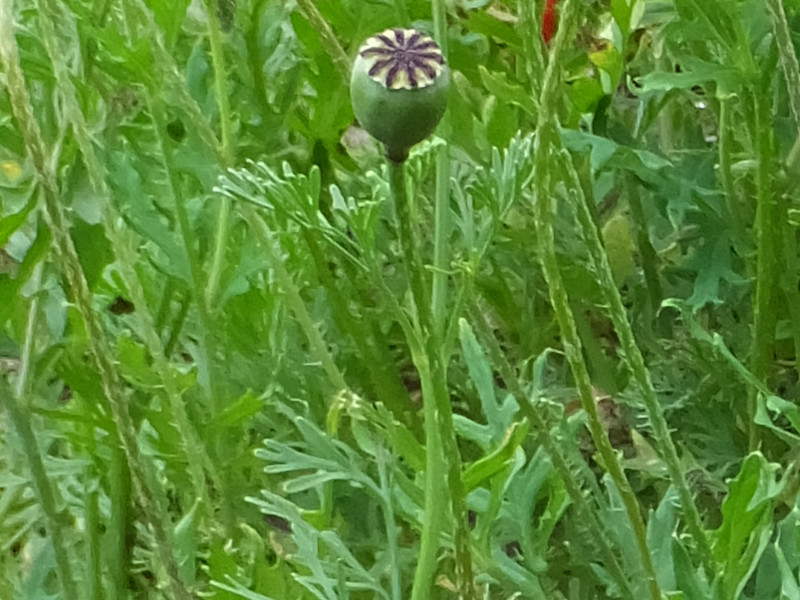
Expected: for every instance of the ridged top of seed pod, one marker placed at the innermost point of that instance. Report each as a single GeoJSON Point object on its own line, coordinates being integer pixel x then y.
{"type": "Point", "coordinates": [402, 59]}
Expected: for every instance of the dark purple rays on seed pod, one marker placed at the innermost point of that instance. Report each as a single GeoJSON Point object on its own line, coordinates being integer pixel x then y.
{"type": "Point", "coordinates": [399, 88]}
{"type": "Point", "coordinates": [402, 59]}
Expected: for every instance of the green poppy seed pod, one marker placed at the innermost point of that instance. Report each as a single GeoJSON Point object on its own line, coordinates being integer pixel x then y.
{"type": "Point", "coordinates": [399, 88]}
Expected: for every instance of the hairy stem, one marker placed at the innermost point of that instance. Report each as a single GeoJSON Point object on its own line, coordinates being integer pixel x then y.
{"type": "Point", "coordinates": [641, 375]}
{"type": "Point", "coordinates": [194, 451]}
{"type": "Point", "coordinates": [326, 36]}
{"type": "Point", "coordinates": [583, 507]}
{"type": "Point", "coordinates": [409, 243]}
{"type": "Point", "coordinates": [56, 518]}
{"type": "Point", "coordinates": [441, 345]}
{"type": "Point", "coordinates": [725, 163]}
{"type": "Point", "coordinates": [395, 578]}
{"type": "Point", "coordinates": [530, 29]}
{"type": "Point", "coordinates": [572, 349]}
{"type": "Point", "coordinates": [767, 238]}
{"type": "Point", "coordinates": [115, 397]}
{"type": "Point", "coordinates": [226, 149]}
{"type": "Point", "coordinates": [461, 534]}
{"type": "Point", "coordinates": [545, 154]}
{"type": "Point", "coordinates": [644, 245]}
{"type": "Point", "coordinates": [171, 77]}
{"type": "Point", "coordinates": [436, 497]}
{"type": "Point", "coordinates": [120, 523]}
{"type": "Point", "coordinates": [787, 55]}
{"type": "Point", "coordinates": [315, 340]}
{"type": "Point", "coordinates": [384, 378]}
{"type": "Point", "coordinates": [442, 199]}
{"type": "Point", "coordinates": [791, 71]}
{"type": "Point", "coordinates": [436, 398]}
{"type": "Point", "coordinates": [206, 346]}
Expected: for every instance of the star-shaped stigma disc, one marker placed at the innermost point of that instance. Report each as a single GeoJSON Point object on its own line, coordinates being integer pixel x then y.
{"type": "Point", "coordinates": [403, 59]}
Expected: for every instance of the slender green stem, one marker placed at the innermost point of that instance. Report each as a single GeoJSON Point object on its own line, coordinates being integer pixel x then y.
{"type": "Point", "coordinates": [220, 83]}
{"type": "Point", "coordinates": [326, 36]}
{"type": "Point", "coordinates": [226, 148]}
{"type": "Point", "coordinates": [767, 237]}
{"type": "Point", "coordinates": [94, 526]}
{"type": "Point", "coordinates": [788, 56]}
{"type": "Point", "coordinates": [172, 77]}
{"type": "Point", "coordinates": [176, 326]}
{"type": "Point", "coordinates": [254, 58]}
{"type": "Point", "coordinates": [440, 346]}
{"type": "Point", "coordinates": [194, 451]}
{"type": "Point", "coordinates": [584, 509]}
{"type": "Point", "coordinates": [391, 526]}
{"type": "Point", "coordinates": [317, 344]}
{"type": "Point", "coordinates": [572, 349]}
{"type": "Point", "coordinates": [433, 365]}
{"type": "Point", "coordinates": [385, 380]}
{"type": "Point", "coordinates": [147, 492]}
{"type": "Point", "coordinates": [119, 548]}
{"type": "Point", "coordinates": [436, 497]}
{"type": "Point", "coordinates": [436, 466]}
{"type": "Point", "coordinates": [57, 520]}
{"type": "Point", "coordinates": [409, 243]}
{"type": "Point", "coordinates": [206, 346]}
{"type": "Point", "coordinates": [636, 364]}
{"type": "Point", "coordinates": [530, 29]}
{"type": "Point", "coordinates": [789, 286]}
{"type": "Point", "coordinates": [442, 200]}
{"type": "Point", "coordinates": [791, 71]}
{"type": "Point", "coordinates": [645, 247]}
{"type": "Point", "coordinates": [461, 534]}
{"type": "Point", "coordinates": [725, 173]}
{"type": "Point", "coordinates": [544, 152]}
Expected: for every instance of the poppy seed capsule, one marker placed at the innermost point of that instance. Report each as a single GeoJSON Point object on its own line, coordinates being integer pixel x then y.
{"type": "Point", "coordinates": [399, 88]}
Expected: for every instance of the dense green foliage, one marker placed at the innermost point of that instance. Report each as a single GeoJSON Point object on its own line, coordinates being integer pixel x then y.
{"type": "Point", "coordinates": [552, 356]}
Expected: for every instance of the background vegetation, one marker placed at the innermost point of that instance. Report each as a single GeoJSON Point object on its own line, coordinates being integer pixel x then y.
{"type": "Point", "coordinates": [221, 377]}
